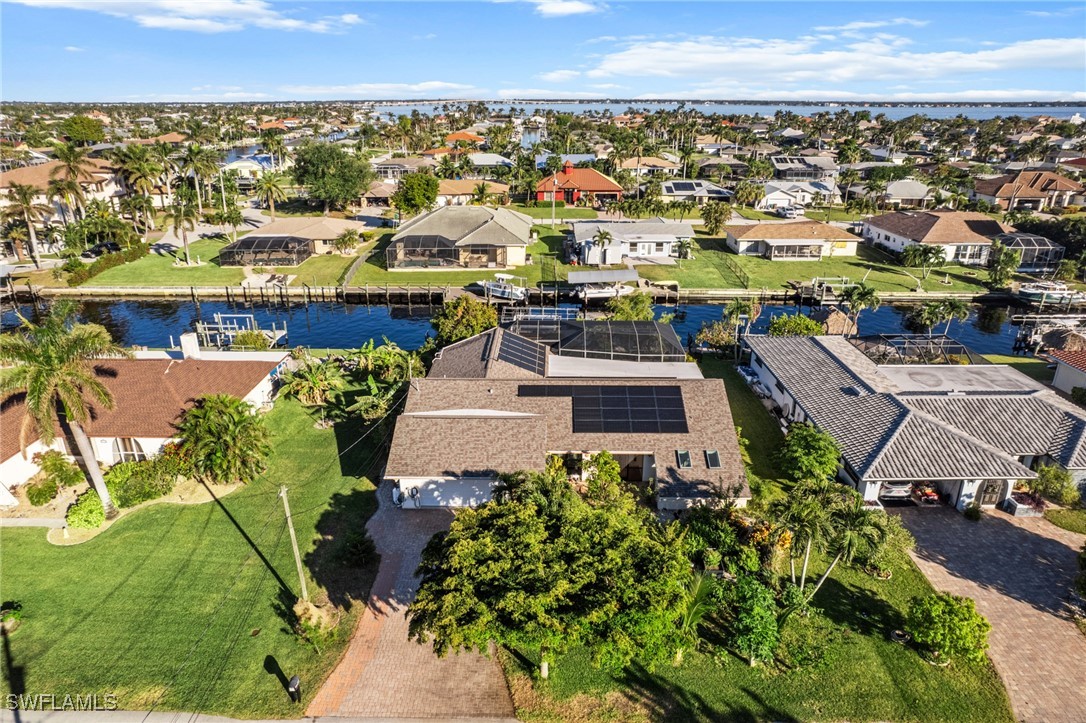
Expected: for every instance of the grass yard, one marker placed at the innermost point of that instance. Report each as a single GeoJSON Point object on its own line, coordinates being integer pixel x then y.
{"type": "Point", "coordinates": [544, 268]}
{"type": "Point", "coordinates": [170, 607]}
{"type": "Point", "coordinates": [1073, 520]}
{"type": "Point", "coordinates": [753, 214]}
{"type": "Point", "coordinates": [1030, 366]}
{"type": "Point", "coordinates": [707, 270]}
{"type": "Point", "coordinates": [544, 212]}
{"type": "Point", "coordinates": [828, 213]}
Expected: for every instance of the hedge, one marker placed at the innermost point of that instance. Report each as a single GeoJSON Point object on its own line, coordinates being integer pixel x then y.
{"type": "Point", "coordinates": [108, 261]}
{"type": "Point", "coordinates": [86, 513]}
{"type": "Point", "coordinates": [131, 483]}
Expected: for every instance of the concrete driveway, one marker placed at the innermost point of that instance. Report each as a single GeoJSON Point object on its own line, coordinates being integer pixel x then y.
{"type": "Point", "coordinates": [1019, 572]}
{"type": "Point", "coordinates": [383, 674]}
{"type": "Point", "coordinates": [170, 242]}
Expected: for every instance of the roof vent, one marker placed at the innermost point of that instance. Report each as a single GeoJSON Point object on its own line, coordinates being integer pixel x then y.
{"type": "Point", "coordinates": [854, 391]}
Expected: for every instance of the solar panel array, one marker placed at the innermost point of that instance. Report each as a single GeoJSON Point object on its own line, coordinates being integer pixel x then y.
{"type": "Point", "coordinates": [683, 186]}
{"type": "Point", "coordinates": [616, 409]}
{"type": "Point", "coordinates": [523, 353]}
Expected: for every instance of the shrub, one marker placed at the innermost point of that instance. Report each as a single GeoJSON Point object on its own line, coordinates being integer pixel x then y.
{"type": "Point", "coordinates": [711, 558]}
{"type": "Point", "coordinates": [808, 453]}
{"type": "Point", "coordinates": [131, 483]}
{"type": "Point", "coordinates": [949, 626]}
{"type": "Point", "coordinates": [108, 261]}
{"type": "Point", "coordinates": [42, 492]}
{"type": "Point", "coordinates": [754, 630]}
{"type": "Point", "coordinates": [58, 468]}
{"type": "Point", "coordinates": [10, 611]}
{"type": "Point", "coordinates": [86, 513]}
{"type": "Point", "coordinates": [1068, 210]}
{"type": "Point", "coordinates": [1055, 484]}
{"type": "Point", "coordinates": [252, 339]}
{"type": "Point", "coordinates": [973, 512]}
{"type": "Point", "coordinates": [358, 550]}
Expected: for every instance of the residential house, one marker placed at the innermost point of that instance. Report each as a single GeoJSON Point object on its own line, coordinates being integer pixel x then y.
{"type": "Point", "coordinates": [287, 241]}
{"type": "Point", "coordinates": [568, 390]}
{"type": "Point", "coordinates": [461, 191]}
{"type": "Point", "coordinates": [1036, 190]}
{"type": "Point", "coordinates": [804, 168]}
{"type": "Point", "coordinates": [467, 137]}
{"type": "Point", "coordinates": [150, 394]}
{"type": "Point", "coordinates": [652, 238]}
{"type": "Point", "coordinates": [394, 169]}
{"type": "Point", "coordinates": [572, 184]}
{"type": "Point", "coordinates": [904, 192]}
{"type": "Point", "coordinates": [1039, 254]}
{"type": "Point", "coordinates": [99, 181]}
{"type": "Point", "coordinates": [1070, 370]}
{"type": "Point", "coordinates": [887, 154]}
{"type": "Point", "coordinates": [489, 162]}
{"type": "Point", "coordinates": [967, 432]}
{"type": "Point", "coordinates": [647, 165]}
{"type": "Point", "coordinates": [576, 159]}
{"type": "Point", "coordinates": [459, 237]}
{"type": "Point", "coordinates": [697, 190]}
{"type": "Point", "coordinates": [798, 193]}
{"type": "Point", "coordinates": [723, 166]}
{"type": "Point", "coordinates": [799, 241]}
{"type": "Point", "coordinates": [964, 236]}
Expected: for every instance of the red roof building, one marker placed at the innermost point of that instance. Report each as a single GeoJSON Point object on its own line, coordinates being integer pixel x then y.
{"type": "Point", "coordinates": [571, 184]}
{"type": "Point", "coordinates": [464, 136]}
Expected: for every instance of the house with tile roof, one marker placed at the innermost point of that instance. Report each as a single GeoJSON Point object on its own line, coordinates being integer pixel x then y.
{"type": "Point", "coordinates": [461, 191]}
{"type": "Point", "coordinates": [965, 236]}
{"type": "Point", "coordinates": [461, 237]}
{"type": "Point", "coordinates": [1035, 190]}
{"type": "Point", "coordinates": [540, 393]}
{"type": "Point", "coordinates": [150, 395]}
{"type": "Point", "coordinates": [1070, 370]}
{"type": "Point", "coordinates": [797, 193]}
{"type": "Point", "coordinates": [571, 184]}
{"type": "Point", "coordinates": [969, 431]}
{"type": "Point", "coordinates": [394, 169]}
{"type": "Point", "coordinates": [697, 190]}
{"type": "Point", "coordinates": [647, 165]}
{"type": "Point", "coordinates": [806, 240]}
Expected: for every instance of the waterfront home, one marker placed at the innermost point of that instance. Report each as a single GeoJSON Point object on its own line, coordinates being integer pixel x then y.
{"type": "Point", "coordinates": [1039, 254]}
{"type": "Point", "coordinates": [1035, 190]}
{"type": "Point", "coordinates": [798, 193]}
{"type": "Point", "coordinates": [643, 239]}
{"type": "Point", "coordinates": [287, 241]}
{"type": "Point", "coordinates": [697, 190]}
{"type": "Point", "coordinates": [488, 162]}
{"type": "Point", "coordinates": [1070, 370]}
{"type": "Point", "coordinates": [466, 137]}
{"type": "Point", "coordinates": [461, 237]}
{"type": "Point", "coordinates": [566, 389]}
{"type": "Point", "coordinates": [804, 168]}
{"type": "Point", "coordinates": [647, 165]}
{"type": "Point", "coordinates": [965, 431]}
{"type": "Point", "coordinates": [799, 241]}
{"type": "Point", "coordinates": [395, 168]}
{"type": "Point", "coordinates": [964, 236]}
{"type": "Point", "coordinates": [725, 165]}
{"type": "Point", "coordinates": [150, 394]}
{"type": "Point", "coordinates": [571, 184]}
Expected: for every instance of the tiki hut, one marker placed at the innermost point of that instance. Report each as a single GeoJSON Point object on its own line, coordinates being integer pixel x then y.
{"type": "Point", "coordinates": [1063, 340]}
{"type": "Point", "coordinates": [834, 321]}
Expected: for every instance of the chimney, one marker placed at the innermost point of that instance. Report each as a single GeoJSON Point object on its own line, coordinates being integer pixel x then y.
{"type": "Point", "coordinates": [190, 345]}
{"type": "Point", "coordinates": [567, 168]}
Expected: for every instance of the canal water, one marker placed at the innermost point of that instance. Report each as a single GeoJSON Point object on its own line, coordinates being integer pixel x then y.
{"type": "Point", "coordinates": [159, 323]}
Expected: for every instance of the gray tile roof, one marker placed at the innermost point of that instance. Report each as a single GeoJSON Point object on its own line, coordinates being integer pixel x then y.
{"type": "Point", "coordinates": [467, 225]}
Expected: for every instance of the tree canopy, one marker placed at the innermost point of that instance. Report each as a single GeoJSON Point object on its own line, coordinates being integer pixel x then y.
{"type": "Point", "coordinates": [794, 325]}
{"type": "Point", "coordinates": [83, 130]}
{"type": "Point", "coordinates": [462, 318]}
{"type": "Point", "coordinates": [632, 307]}
{"type": "Point", "coordinates": [808, 453]}
{"type": "Point", "coordinates": [331, 174]}
{"type": "Point", "coordinates": [415, 193]}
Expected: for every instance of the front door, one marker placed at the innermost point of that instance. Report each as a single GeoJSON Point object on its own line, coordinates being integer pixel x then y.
{"type": "Point", "coordinates": [990, 492]}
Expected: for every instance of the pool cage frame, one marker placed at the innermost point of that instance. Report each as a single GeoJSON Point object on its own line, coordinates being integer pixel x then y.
{"type": "Point", "coordinates": [892, 349]}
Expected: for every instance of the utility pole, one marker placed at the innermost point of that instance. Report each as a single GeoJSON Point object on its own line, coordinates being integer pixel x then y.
{"type": "Point", "coordinates": [294, 543]}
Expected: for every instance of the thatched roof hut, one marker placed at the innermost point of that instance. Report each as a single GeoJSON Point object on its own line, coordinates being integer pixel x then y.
{"type": "Point", "coordinates": [834, 321]}
{"type": "Point", "coordinates": [1063, 340]}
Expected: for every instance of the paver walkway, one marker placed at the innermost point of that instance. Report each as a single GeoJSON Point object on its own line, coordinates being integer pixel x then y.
{"type": "Point", "coordinates": [1019, 572]}
{"type": "Point", "coordinates": [383, 673]}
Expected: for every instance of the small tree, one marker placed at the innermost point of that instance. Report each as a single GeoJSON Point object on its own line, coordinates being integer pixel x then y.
{"type": "Point", "coordinates": [226, 442]}
{"type": "Point", "coordinates": [754, 631]}
{"type": "Point", "coordinates": [83, 130]}
{"type": "Point", "coordinates": [346, 241]}
{"type": "Point", "coordinates": [416, 192]}
{"type": "Point", "coordinates": [462, 318]}
{"type": "Point", "coordinates": [715, 215]}
{"type": "Point", "coordinates": [632, 307]}
{"type": "Point", "coordinates": [314, 383]}
{"type": "Point", "coordinates": [1002, 263]}
{"type": "Point", "coordinates": [808, 453]}
{"type": "Point", "coordinates": [604, 477]}
{"type": "Point", "coordinates": [1055, 484]}
{"type": "Point", "coordinates": [923, 256]}
{"type": "Point", "coordinates": [699, 603]}
{"type": "Point", "coordinates": [949, 626]}
{"type": "Point", "coordinates": [717, 335]}
{"type": "Point", "coordinates": [794, 325]}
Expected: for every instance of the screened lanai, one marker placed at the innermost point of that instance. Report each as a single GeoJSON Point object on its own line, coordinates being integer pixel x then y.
{"type": "Point", "coordinates": [1039, 254]}
{"type": "Point", "coordinates": [266, 251]}
{"type": "Point", "coordinates": [642, 341]}
{"type": "Point", "coordinates": [916, 349]}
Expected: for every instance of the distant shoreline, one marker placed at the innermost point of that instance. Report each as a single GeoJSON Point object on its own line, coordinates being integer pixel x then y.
{"type": "Point", "coordinates": [632, 102]}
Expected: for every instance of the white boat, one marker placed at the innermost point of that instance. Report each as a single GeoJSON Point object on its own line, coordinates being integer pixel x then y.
{"type": "Point", "coordinates": [1049, 292]}
{"type": "Point", "coordinates": [603, 291]}
{"type": "Point", "coordinates": [503, 287]}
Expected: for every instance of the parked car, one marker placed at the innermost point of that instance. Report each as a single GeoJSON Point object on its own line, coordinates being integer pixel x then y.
{"type": "Point", "coordinates": [106, 247]}
{"type": "Point", "coordinates": [789, 211]}
{"type": "Point", "coordinates": [896, 490]}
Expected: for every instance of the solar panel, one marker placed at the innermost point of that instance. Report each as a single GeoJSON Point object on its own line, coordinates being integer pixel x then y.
{"type": "Point", "coordinates": [523, 353]}
{"type": "Point", "coordinates": [683, 186]}
{"type": "Point", "coordinates": [628, 410]}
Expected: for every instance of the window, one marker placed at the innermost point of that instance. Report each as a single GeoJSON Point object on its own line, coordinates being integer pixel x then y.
{"type": "Point", "coordinates": [660, 247]}
{"type": "Point", "coordinates": [683, 457]}
{"type": "Point", "coordinates": [712, 459]}
{"type": "Point", "coordinates": [127, 449]}
{"type": "Point", "coordinates": [757, 361]}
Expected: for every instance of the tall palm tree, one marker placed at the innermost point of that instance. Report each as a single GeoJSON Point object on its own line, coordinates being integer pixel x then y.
{"type": "Point", "coordinates": [847, 179]}
{"type": "Point", "coordinates": [74, 165]}
{"type": "Point", "coordinates": [480, 193]}
{"type": "Point", "coordinates": [860, 297]}
{"type": "Point", "coordinates": [805, 512]}
{"type": "Point", "coordinates": [163, 154]}
{"type": "Point", "coordinates": [181, 217]}
{"type": "Point", "coordinates": [201, 163]}
{"type": "Point", "coordinates": [23, 204]}
{"type": "Point", "coordinates": [70, 194]}
{"type": "Point", "coordinates": [854, 529]}
{"type": "Point", "coordinates": [953, 310]}
{"type": "Point", "coordinates": [52, 364]}
{"type": "Point", "coordinates": [269, 188]}
{"type": "Point", "coordinates": [142, 211]}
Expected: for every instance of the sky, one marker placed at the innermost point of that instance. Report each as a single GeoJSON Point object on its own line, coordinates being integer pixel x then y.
{"type": "Point", "coordinates": [242, 50]}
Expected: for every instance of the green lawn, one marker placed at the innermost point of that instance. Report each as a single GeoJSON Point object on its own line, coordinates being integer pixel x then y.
{"type": "Point", "coordinates": [1030, 366]}
{"type": "Point", "coordinates": [828, 214]}
{"type": "Point", "coordinates": [156, 270]}
{"type": "Point", "coordinates": [171, 606]}
{"type": "Point", "coordinates": [1069, 519]}
{"type": "Point", "coordinates": [543, 269]}
{"type": "Point", "coordinates": [753, 214]}
{"type": "Point", "coordinates": [544, 212]}
{"type": "Point", "coordinates": [707, 270]}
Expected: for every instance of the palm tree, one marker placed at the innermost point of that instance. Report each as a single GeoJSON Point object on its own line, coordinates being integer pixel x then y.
{"type": "Point", "coordinates": [926, 256]}
{"type": "Point", "coordinates": [232, 217]}
{"type": "Point", "coordinates": [181, 217]}
{"type": "Point", "coordinates": [346, 241]}
{"type": "Point", "coordinates": [226, 442]}
{"type": "Point", "coordinates": [315, 383]}
{"type": "Point", "coordinates": [953, 310]}
{"type": "Point", "coordinates": [67, 190]}
{"type": "Point", "coordinates": [860, 297]}
{"type": "Point", "coordinates": [848, 178]}
{"type": "Point", "coordinates": [23, 204]}
{"type": "Point", "coordinates": [142, 210]}
{"type": "Point", "coordinates": [201, 163]}
{"type": "Point", "coordinates": [875, 189]}
{"type": "Point", "coordinates": [52, 364]}
{"type": "Point", "coordinates": [854, 529]}
{"type": "Point", "coordinates": [698, 604]}
{"type": "Point", "coordinates": [480, 193]}
{"type": "Point", "coordinates": [74, 165]}
{"type": "Point", "coordinates": [163, 155]}
{"type": "Point", "coordinates": [805, 512]}
{"type": "Point", "coordinates": [270, 188]}
{"type": "Point", "coordinates": [602, 238]}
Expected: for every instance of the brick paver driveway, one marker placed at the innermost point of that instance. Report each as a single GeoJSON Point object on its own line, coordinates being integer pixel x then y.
{"type": "Point", "coordinates": [1019, 571]}
{"type": "Point", "coordinates": [385, 675]}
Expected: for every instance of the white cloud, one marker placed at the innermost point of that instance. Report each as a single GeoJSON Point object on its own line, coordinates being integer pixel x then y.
{"type": "Point", "coordinates": [565, 8]}
{"type": "Point", "coordinates": [533, 93]}
{"type": "Point", "coordinates": [425, 89]}
{"type": "Point", "coordinates": [870, 24]}
{"type": "Point", "coordinates": [74, 49]}
{"type": "Point", "coordinates": [202, 16]}
{"type": "Point", "coordinates": [558, 76]}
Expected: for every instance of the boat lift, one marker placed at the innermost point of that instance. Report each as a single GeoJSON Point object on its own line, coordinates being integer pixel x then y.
{"type": "Point", "coordinates": [224, 329]}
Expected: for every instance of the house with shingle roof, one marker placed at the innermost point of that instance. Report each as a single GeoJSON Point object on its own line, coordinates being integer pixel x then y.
{"type": "Point", "coordinates": [509, 400]}
{"type": "Point", "coordinates": [648, 238]}
{"type": "Point", "coordinates": [1036, 190]}
{"type": "Point", "coordinates": [461, 237]}
{"type": "Point", "coordinates": [806, 240]}
{"type": "Point", "coordinates": [968, 430]}
{"type": "Point", "coordinates": [965, 236]}
{"type": "Point", "coordinates": [572, 184]}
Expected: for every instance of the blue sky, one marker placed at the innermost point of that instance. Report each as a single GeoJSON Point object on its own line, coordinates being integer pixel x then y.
{"type": "Point", "coordinates": [223, 50]}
